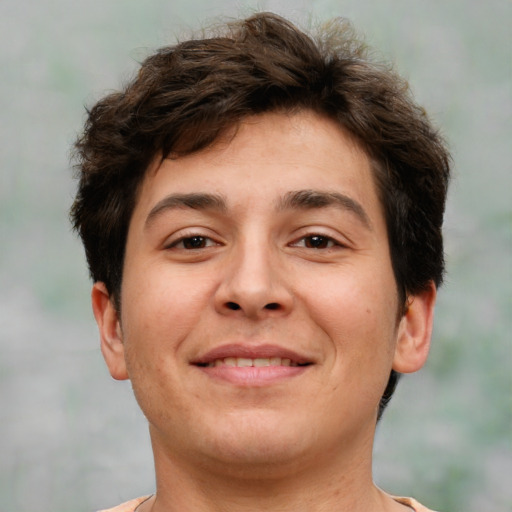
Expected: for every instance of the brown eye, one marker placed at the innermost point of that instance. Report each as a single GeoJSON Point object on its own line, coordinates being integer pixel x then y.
{"type": "Point", "coordinates": [193, 242]}
{"type": "Point", "coordinates": [318, 242]}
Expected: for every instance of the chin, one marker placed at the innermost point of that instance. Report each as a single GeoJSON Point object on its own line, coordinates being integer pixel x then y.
{"type": "Point", "coordinates": [258, 442]}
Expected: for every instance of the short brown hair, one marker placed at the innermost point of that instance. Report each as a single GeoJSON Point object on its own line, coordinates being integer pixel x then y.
{"type": "Point", "coordinates": [186, 95]}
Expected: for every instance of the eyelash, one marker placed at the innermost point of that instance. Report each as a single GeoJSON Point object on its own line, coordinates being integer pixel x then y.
{"type": "Point", "coordinates": [316, 241]}
{"type": "Point", "coordinates": [197, 241]}
{"type": "Point", "coordinates": [331, 242]}
{"type": "Point", "coordinates": [194, 239]}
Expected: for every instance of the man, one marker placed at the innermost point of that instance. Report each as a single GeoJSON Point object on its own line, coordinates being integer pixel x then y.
{"type": "Point", "coordinates": [261, 213]}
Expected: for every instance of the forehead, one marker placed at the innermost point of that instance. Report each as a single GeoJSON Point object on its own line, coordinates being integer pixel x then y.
{"type": "Point", "coordinates": [265, 157]}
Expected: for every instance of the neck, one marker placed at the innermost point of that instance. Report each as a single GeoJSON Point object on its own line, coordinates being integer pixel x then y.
{"type": "Point", "coordinates": [340, 481]}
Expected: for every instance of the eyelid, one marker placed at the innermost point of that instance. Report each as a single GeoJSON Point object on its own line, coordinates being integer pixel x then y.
{"type": "Point", "coordinates": [183, 238]}
{"type": "Point", "coordinates": [183, 234]}
{"type": "Point", "coordinates": [332, 242]}
{"type": "Point", "coordinates": [311, 231]}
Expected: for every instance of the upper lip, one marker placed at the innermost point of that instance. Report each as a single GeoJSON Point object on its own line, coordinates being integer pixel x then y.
{"type": "Point", "coordinates": [250, 352]}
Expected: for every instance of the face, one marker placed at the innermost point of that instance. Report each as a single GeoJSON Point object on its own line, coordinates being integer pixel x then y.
{"type": "Point", "coordinates": [259, 307]}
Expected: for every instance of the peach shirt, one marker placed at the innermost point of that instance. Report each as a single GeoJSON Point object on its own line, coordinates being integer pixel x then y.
{"type": "Point", "coordinates": [131, 505]}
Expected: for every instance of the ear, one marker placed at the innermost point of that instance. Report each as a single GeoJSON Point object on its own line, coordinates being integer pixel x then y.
{"type": "Point", "coordinates": [415, 331]}
{"type": "Point", "coordinates": [109, 326]}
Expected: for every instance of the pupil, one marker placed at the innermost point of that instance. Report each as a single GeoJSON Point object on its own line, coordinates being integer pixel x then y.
{"type": "Point", "coordinates": [316, 242]}
{"type": "Point", "coordinates": [194, 242]}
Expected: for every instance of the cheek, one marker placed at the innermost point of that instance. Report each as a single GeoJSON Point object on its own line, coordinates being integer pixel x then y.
{"type": "Point", "coordinates": [157, 318]}
{"type": "Point", "coordinates": [160, 311]}
{"type": "Point", "coordinates": [358, 315]}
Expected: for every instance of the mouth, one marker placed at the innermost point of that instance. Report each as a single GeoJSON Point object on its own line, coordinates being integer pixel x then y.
{"type": "Point", "coordinates": [245, 362]}
{"type": "Point", "coordinates": [245, 355]}
{"type": "Point", "coordinates": [252, 366]}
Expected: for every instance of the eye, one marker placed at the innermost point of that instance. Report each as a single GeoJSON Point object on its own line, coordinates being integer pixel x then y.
{"type": "Point", "coordinates": [193, 242]}
{"type": "Point", "coordinates": [316, 242]}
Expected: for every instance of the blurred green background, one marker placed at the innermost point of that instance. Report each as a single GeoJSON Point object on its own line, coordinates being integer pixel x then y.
{"type": "Point", "coordinates": [74, 440]}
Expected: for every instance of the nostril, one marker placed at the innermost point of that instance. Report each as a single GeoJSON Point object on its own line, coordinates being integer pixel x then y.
{"type": "Point", "coordinates": [272, 305]}
{"type": "Point", "coordinates": [233, 305]}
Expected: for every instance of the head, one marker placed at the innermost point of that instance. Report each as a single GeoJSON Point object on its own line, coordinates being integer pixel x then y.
{"type": "Point", "coordinates": [185, 97]}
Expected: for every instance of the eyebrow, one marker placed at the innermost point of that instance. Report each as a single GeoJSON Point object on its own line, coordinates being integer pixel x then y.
{"type": "Point", "coordinates": [312, 199]}
{"type": "Point", "coordinates": [195, 201]}
{"type": "Point", "coordinates": [299, 199]}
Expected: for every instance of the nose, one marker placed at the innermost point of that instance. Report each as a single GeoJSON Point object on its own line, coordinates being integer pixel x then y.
{"type": "Point", "coordinates": [254, 284]}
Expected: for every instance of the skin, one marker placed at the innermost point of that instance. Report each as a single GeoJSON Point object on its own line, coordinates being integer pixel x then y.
{"type": "Point", "coordinates": [253, 264]}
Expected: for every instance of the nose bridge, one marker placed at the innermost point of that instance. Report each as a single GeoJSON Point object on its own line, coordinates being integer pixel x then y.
{"type": "Point", "coordinates": [253, 281]}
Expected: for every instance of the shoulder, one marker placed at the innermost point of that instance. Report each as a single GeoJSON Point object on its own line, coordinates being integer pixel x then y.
{"type": "Point", "coordinates": [129, 506]}
{"type": "Point", "coordinates": [411, 502]}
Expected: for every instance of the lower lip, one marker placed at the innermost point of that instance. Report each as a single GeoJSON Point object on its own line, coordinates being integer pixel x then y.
{"type": "Point", "coordinates": [253, 375]}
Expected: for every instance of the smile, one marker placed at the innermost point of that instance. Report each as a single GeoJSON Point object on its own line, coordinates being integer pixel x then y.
{"type": "Point", "coordinates": [244, 355]}
{"type": "Point", "coordinates": [245, 365]}
{"type": "Point", "coordinates": [244, 362]}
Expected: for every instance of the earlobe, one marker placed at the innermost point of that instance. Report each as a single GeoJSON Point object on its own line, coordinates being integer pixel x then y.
{"type": "Point", "coordinates": [415, 331]}
{"type": "Point", "coordinates": [107, 318]}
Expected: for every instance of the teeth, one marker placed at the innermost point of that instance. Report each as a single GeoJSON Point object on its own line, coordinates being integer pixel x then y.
{"type": "Point", "coordinates": [244, 362]}
{"type": "Point", "coordinates": [261, 362]}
